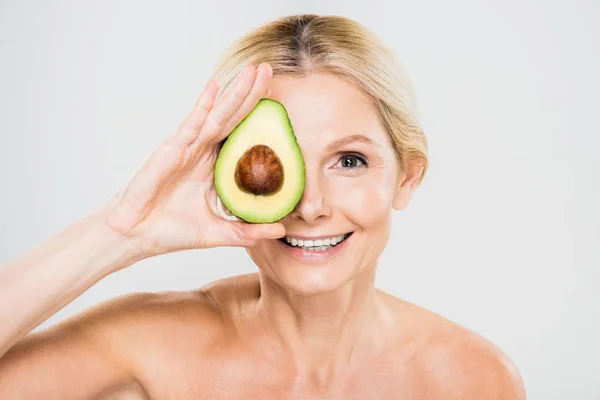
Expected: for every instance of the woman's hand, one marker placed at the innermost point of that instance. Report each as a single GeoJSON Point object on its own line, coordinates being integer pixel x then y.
{"type": "Point", "coordinates": [170, 204]}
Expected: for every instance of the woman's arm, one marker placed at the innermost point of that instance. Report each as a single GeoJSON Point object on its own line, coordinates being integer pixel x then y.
{"type": "Point", "coordinates": [65, 361]}
{"type": "Point", "coordinates": [44, 280]}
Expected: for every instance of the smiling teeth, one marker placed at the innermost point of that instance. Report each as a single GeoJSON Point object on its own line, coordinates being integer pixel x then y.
{"type": "Point", "coordinates": [317, 245]}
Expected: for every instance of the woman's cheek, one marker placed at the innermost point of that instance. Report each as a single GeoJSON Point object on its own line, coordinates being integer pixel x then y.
{"type": "Point", "coordinates": [364, 200]}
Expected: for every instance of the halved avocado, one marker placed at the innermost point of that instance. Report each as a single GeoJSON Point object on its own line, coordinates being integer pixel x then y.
{"type": "Point", "coordinates": [259, 173]}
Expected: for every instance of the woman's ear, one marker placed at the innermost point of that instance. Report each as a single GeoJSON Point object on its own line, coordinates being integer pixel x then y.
{"type": "Point", "coordinates": [408, 180]}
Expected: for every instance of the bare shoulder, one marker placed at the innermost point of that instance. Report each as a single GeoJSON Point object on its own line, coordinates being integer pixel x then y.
{"type": "Point", "coordinates": [114, 345]}
{"type": "Point", "coordinates": [453, 362]}
{"type": "Point", "coordinates": [145, 310]}
{"type": "Point", "coordinates": [137, 322]}
{"type": "Point", "coordinates": [132, 325]}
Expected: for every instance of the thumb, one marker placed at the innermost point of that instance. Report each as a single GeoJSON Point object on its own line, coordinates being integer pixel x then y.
{"type": "Point", "coordinates": [246, 235]}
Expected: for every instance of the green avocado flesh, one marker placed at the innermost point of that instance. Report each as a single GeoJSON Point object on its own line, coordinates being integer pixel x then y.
{"type": "Point", "coordinates": [259, 173]}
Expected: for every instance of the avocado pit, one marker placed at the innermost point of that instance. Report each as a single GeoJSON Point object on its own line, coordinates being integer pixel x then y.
{"type": "Point", "coordinates": [259, 171]}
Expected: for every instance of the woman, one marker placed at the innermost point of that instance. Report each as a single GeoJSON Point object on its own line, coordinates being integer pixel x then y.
{"type": "Point", "coordinates": [310, 324]}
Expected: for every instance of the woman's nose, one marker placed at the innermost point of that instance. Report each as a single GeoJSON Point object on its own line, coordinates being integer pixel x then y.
{"type": "Point", "coordinates": [313, 206]}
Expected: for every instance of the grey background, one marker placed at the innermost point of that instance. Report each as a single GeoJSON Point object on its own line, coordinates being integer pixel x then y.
{"type": "Point", "coordinates": [503, 236]}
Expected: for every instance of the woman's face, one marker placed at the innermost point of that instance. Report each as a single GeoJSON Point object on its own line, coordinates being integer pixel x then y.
{"type": "Point", "coordinates": [351, 173]}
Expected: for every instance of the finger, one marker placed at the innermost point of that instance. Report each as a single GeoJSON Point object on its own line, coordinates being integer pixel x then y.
{"type": "Point", "coordinates": [259, 88]}
{"type": "Point", "coordinates": [192, 125]}
{"type": "Point", "coordinates": [224, 109]}
{"type": "Point", "coordinates": [243, 234]}
{"type": "Point", "coordinates": [258, 91]}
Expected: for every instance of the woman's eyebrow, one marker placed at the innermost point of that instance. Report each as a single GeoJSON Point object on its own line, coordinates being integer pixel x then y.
{"type": "Point", "coordinates": [333, 146]}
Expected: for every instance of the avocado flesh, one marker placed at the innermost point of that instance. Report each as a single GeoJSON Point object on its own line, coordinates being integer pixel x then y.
{"type": "Point", "coordinates": [259, 173]}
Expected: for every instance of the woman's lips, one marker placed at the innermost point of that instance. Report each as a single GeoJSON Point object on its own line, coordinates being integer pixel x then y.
{"type": "Point", "coordinates": [313, 255]}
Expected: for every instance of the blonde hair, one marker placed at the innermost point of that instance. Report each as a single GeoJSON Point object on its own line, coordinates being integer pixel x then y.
{"type": "Point", "coordinates": [308, 43]}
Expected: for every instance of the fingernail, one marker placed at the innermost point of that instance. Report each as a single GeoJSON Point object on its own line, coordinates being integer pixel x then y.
{"type": "Point", "coordinates": [268, 92]}
{"type": "Point", "coordinates": [267, 67]}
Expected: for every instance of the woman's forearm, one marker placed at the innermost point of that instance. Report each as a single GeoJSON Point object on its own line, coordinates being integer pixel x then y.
{"type": "Point", "coordinates": [47, 278]}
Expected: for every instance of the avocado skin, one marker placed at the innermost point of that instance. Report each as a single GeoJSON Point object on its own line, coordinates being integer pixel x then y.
{"type": "Point", "coordinates": [268, 116]}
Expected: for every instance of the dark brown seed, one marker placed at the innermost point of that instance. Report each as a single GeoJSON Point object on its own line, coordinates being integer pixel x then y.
{"type": "Point", "coordinates": [259, 171]}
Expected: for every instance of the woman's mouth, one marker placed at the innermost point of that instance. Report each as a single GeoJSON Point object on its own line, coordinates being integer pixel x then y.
{"type": "Point", "coordinates": [316, 244]}
{"type": "Point", "coordinates": [314, 249]}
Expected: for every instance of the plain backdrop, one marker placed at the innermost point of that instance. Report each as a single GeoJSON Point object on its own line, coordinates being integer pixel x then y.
{"type": "Point", "coordinates": [502, 237]}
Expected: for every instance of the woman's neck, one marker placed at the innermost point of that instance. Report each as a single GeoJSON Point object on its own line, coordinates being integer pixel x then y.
{"type": "Point", "coordinates": [323, 333]}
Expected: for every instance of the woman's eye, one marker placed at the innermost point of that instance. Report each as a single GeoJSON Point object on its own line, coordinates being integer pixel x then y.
{"type": "Point", "coordinates": [350, 161]}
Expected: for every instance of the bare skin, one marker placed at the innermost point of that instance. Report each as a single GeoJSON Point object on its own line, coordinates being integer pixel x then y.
{"type": "Point", "coordinates": [301, 328]}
